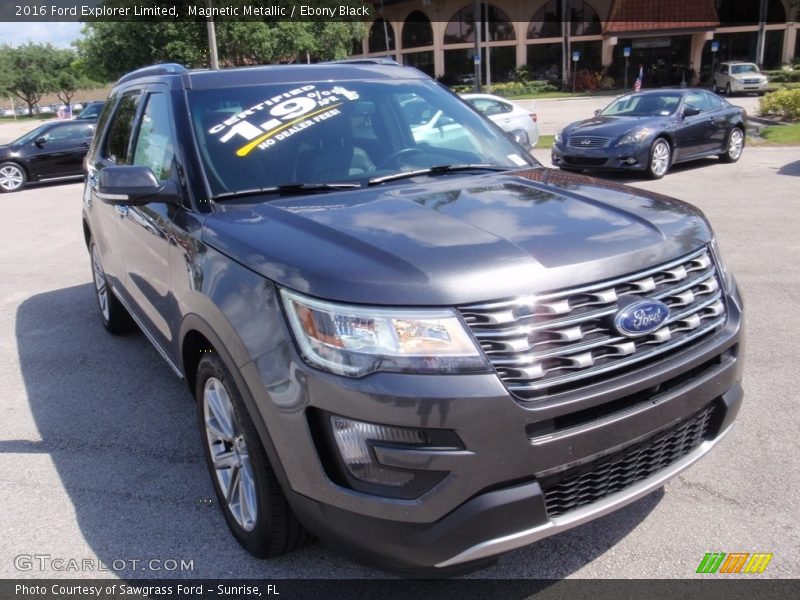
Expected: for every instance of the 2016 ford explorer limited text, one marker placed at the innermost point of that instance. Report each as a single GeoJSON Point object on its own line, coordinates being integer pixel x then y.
{"type": "Point", "coordinates": [415, 343]}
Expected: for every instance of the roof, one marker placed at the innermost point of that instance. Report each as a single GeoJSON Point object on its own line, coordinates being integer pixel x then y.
{"type": "Point", "coordinates": [632, 16]}
{"type": "Point", "coordinates": [352, 70]}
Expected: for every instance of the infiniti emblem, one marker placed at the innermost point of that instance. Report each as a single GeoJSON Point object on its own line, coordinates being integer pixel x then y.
{"type": "Point", "coordinates": [641, 318]}
{"type": "Point", "coordinates": [586, 142]}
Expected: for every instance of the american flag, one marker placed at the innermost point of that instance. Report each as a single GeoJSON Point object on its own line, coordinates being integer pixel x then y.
{"type": "Point", "coordinates": [64, 113]}
{"type": "Point", "coordinates": [637, 86]}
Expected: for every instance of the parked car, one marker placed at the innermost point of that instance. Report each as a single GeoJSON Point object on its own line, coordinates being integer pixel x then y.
{"type": "Point", "coordinates": [739, 77]}
{"type": "Point", "coordinates": [512, 118]}
{"type": "Point", "coordinates": [651, 131]}
{"type": "Point", "coordinates": [428, 355]}
{"type": "Point", "coordinates": [91, 111]}
{"type": "Point", "coordinates": [54, 150]}
{"type": "Point", "coordinates": [7, 112]}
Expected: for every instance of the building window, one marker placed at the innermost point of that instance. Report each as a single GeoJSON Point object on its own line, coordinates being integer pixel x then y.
{"type": "Point", "coordinates": [417, 30]}
{"type": "Point", "coordinates": [735, 12]}
{"type": "Point", "coordinates": [546, 22]}
{"type": "Point", "coordinates": [460, 29]}
{"type": "Point", "coordinates": [381, 36]}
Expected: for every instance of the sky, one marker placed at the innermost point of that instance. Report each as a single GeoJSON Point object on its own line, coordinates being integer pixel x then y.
{"type": "Point", "coordinates": [60, 34]}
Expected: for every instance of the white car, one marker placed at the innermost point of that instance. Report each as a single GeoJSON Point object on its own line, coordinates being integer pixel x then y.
{"type": "Point", "coordinates": [511, 117]}
{"type": "Point", "coordinates": [733, 77]}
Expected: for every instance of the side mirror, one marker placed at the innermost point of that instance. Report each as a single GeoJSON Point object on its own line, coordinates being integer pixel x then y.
{"type": "Point", "coordinates": [690, 111]}
{"type": "Point", "coordinates": [40, 142]}
{"type": "Point", "coordinates": [134, 186]}
{"type": "Point", "coordinates": [520, 137]}
{"type": "Point", "coordinates": [597, 112]}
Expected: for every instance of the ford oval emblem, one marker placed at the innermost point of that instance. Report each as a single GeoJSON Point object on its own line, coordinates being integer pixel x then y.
{"type": "Point", "coordinates": [641, 318]}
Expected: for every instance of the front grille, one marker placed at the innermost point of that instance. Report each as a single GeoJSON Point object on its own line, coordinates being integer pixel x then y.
{"type": "Point", "coordinates": [752, 81]}
{"type": "Point", "coordinates": [561, 341]}
{"type": "Point", "coordinates": [612, 474]}
{"type": "Point", "coordinates": [587, 141]}
{"type": "Point", "coordinates": [584, 161]}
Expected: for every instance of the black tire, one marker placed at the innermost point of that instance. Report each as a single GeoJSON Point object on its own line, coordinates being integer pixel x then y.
{"type": "Point", "coordinates": [12, 177]}
{"type": "Point", "coordinates": [734, 146]}
{"type": "Point", "coordinates": [258, 514]}
{"type": "Point", "coordinates": [113, 314]}
{"type": "Point", "coordinates": [728, 91]}
{"type": "Point", "coordinates": [656, 167]}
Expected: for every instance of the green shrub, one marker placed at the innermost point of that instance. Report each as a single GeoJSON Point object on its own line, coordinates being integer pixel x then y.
{"type": "Point", "coordinates": [783, 75]}
{"type": "Point", "coordinates": [520, 88]}
{"type": "Point", "coordinates": [783, 103]}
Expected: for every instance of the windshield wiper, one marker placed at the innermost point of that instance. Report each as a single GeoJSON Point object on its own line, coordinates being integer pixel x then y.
{"type": "Point", "coordinates": [289, 189]}
{"type": "Point", "coordinates": [437, 170]}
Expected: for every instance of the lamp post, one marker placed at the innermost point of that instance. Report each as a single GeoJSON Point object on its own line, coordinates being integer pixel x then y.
{"type": "Point", "coordinates": [576, 56]}
{"type": "Point", "coordinates": [212, 38]}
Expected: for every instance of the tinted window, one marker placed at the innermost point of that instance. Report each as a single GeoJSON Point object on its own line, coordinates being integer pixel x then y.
{"type": "Point", "coordinates": [490, 107]}
{"type": "Point", "coordinates": [119, 137]}
{"type": "Point", "coordinates": [644, 105]}
{"type": "Point", "coordinates": [714, 102]}
{"type": "Point", "coordinates": [154, 147]}
{"type": "Point", "coordinates": [73, 131]}
{"type": "Point", "coordinates": [700, 100]}
{"type": "Point", "coordinates": [262, 136]}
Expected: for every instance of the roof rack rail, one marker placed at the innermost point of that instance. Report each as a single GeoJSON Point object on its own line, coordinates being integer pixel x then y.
{"type": "Point", "coordinates": [378, 60]}
{"type": "Point", "coordinates": [161, 69]}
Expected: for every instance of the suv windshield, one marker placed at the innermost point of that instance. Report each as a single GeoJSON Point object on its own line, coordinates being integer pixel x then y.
{"type": "Point", "coordinates": [742, 69]}
{"type": "Point", "coordinates": [644, 105]}
{"type": "Point", "coordinates": [266, 136]}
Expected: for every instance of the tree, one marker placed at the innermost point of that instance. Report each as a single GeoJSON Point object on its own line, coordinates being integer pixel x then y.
{"type": "Point", "coordinates": [30, 71]}
{"type": "Point", "coordinates": [110, 49]}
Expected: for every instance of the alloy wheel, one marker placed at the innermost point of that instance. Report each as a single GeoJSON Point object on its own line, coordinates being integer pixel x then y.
{"type": "Point", "coordinates": [11, 178]}
{"type": "Point", "coordinates": [229, 454]}
{"type": "Point", "coordinates": [735, 144]}
{"type": "Point", "coordinates": [659, 163]}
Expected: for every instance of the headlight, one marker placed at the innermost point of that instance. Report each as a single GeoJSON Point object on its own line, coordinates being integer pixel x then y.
{"type": "Point", "coordinates": [355, 340]}
{"type": "Point", "coordinates": [635, 136]}
{"type": "Point", "coordinates": [557, 137]}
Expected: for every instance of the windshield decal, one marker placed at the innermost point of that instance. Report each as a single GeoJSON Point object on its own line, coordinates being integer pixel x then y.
{"type": "Point", "coordinates": [288, 113]}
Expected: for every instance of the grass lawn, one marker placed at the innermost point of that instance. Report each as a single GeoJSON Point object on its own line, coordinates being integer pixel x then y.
{"type": "Point", "coordinates": [778, 135]}
{"type": "Point", "coordinates": [545, 142]}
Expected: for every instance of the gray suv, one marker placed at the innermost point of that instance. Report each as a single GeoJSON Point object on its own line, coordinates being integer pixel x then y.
{"type": "Point", "coordinates": [426, 353]}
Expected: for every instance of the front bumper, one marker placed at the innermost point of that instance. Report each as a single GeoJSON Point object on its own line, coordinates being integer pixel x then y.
{"type": "Point", "coordinates": [631, 157]}
{"type": "Point", "coordinates": [493, 498]}
{"type": "Point", "coordinates": [748, 86]}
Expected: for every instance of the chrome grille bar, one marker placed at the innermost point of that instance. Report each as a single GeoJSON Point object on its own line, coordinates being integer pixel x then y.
{"type": "Point", "coordinates": [558, 340]}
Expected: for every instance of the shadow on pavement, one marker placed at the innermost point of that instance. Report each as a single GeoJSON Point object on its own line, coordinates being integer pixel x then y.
{"type": "Point", "coordinates": [792, 168]}
{"type": "Point", "coordinates": [121, 431]}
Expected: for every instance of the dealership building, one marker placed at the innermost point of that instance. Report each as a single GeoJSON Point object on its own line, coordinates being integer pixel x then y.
{"type": "Point", "coordinates": [664, 36]}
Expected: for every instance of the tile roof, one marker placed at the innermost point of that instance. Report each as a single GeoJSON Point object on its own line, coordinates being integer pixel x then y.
{"type": "Point", "coordinates": [658, 15]}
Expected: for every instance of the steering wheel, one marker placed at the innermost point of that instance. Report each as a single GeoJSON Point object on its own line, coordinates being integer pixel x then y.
{"type": "Point", "coordinates": [394, 157]}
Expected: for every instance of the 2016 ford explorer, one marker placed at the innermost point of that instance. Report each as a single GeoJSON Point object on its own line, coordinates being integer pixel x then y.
{"type": "Point", "coordinates": [418, 344]}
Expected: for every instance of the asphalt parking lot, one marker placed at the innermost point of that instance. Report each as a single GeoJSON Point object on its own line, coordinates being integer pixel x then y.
{"type": "Point", "coordinates": [100, 456]}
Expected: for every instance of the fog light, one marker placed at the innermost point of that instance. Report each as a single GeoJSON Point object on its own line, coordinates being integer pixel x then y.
{"type": "Point", "coordinates": [630, 160]}
{"type": "Point", "coordinates": [353, 437]}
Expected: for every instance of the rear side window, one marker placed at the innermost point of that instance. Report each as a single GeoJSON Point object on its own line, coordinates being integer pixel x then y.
{"type": "Point", "coordinates": [70, 133]}
{"type": "Point", "coordinates": [119, 136]}
{"type": "Point", "coordinates": [154, 147]}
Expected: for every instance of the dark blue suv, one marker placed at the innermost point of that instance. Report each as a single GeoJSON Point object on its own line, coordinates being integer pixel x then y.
{"type": "Point", "coordinates": [409, 339]}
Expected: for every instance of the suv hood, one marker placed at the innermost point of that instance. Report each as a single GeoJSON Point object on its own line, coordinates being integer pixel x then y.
{"type": "Point", "coordinates": [456, 239]}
